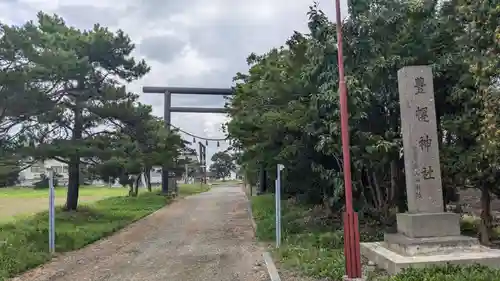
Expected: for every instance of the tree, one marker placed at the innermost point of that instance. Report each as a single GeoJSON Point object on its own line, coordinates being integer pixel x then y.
{"type": "Point", "coordinates": [77, 74]}
{"type": "Point", "coordinates": [20, 103]}
{"type": "Point", "coordinates": [222, 165]}
{"type": "Point", "coordinates": [477, 124]}
{"type": "Point", "coordinates": [9, 164]}
{"type": "Point", "coordinates": [9, 173]}
{"type": "Point", "coordinates": [141, 143]}
{"type": "Point", "coordinates": [286, 108]}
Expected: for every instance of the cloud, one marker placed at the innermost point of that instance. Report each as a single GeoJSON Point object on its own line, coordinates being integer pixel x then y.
{"type": "Point", "coordinates": [162, 48]}
{"type": "Point", "coordinates": [191, 43]}
{"type": "Point", "coordinates": [78, 15]}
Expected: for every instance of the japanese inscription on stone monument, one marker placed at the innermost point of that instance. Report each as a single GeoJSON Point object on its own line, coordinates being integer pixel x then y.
{"type": "Point", "coordinates": [420, 141]}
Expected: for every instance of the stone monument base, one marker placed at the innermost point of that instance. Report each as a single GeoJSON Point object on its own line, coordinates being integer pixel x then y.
{"type": "Point", "coordinates": [428, 239]}
{"type": "Point", "coordinates": [394, 262]}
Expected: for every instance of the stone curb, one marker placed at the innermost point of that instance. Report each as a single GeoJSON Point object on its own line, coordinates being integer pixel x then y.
{"type": "Point", "coordinates": [250, 214]}
{"type": "Point", "coordinates": [254, 224]}
{"type": "Point", "coordinates": [271, 268]}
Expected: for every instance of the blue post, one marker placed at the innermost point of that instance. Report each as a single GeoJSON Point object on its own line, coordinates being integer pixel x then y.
{"type": "Point", "coordinates": [52, 213]}
{"type": "Point", "coordinates": [278, 204]}
{"type": "Point", "coordinates": [276, 208]}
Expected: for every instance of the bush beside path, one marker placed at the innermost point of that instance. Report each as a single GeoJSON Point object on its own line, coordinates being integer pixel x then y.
{"type": "Point", "coordinates": [312, 246]}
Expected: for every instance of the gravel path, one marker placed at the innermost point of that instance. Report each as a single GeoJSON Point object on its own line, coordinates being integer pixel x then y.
{"type": "Point", "coordinates": [206, 237]}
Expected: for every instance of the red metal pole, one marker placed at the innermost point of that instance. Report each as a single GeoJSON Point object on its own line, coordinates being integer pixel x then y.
{"type": "Point", "coordinates": [351, 231]}
{"type": "Point", "coordinates": [344, 114]}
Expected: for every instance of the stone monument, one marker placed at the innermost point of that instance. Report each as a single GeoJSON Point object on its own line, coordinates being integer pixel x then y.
{"type": "Point", "coordinates": [425, 234]}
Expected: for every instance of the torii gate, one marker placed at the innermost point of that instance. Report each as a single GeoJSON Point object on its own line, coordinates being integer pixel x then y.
{"type": "Point", "coordinates": [168, 109]}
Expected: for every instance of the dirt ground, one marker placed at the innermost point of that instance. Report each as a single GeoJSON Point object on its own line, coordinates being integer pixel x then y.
{"type": "Point", "coordinates": [205, 237]}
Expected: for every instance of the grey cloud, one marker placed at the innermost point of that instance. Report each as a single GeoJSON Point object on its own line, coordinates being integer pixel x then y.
{"type": "Point", "coordinates": [194, 124]}
{"type": "Point", "coordinates": [153, 9]}
{"type": "Point", "coordinates": [197, 101]}
{"type": "Point", "coordinates": [85, 16]}
{"type": "Point", "coordinates": [162, 48]}
{"type": "Point", "coordinates": [231, 37]}
{"type": "Point", "coordinates": [234, 40]}
{"type": "Point", "coordinates": [228, 40]}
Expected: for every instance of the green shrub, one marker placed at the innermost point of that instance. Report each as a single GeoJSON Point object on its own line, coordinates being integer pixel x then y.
{"type": "Point", "coordinates": [317, 251]}
{"type": "Point", "coordinates": [43, 183]}
{"type": "Point", "coordinates": [318, 262]}
{"type": "Point", "coordinates": [448, 273]}
{"type": "Point", "coordinates": [469, 225]}
{"type": "Point", "coordinates": [310, 247]}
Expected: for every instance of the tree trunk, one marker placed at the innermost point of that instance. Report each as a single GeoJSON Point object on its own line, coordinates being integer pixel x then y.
{"type": "Point", "coordinates": [74, 164]}
{"type": "Point", "coordinates": [485, 227]}
{"type": "Point", "coordinates": [394, 181]}
{"type": "Point", "coordinates": [131, 189]}
{"type": "Point", "coordinates": [73, 185]}
{"type": "Point", "coordinates": [263, 179]}
{"type": "Point", "coordinates": [136, 189]}
{"type": "Point", "coordinates": [147, 177]}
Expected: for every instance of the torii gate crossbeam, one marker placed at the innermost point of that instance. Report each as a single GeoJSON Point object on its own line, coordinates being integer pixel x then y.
{"type": "Point", "coordinates": [168, 109]}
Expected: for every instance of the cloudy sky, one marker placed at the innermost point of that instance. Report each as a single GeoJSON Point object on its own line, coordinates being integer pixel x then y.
{"type": "Point", "coordinates": [190, 43]}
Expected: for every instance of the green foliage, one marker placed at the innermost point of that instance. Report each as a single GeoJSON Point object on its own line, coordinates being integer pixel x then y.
{"type": "Point", "coordinates": [308, 246]}
{"type": "Point", "coordinates": [310, 243]}
{"type": "Point", "coordinates": [222, 165]}
{"type": "Point", "coordinates": [448, 273]}
{"type": "Point", "coordinates": [75, 107]}
{"type": "Point", "coordinates": [9, 174]}
{"type": "Point", "coordinates": [43, 183]}
{"type": "Point", "coordinates": [11, 162]}
{"type": "Point", "coordinates": [286, 108]}
{"type": "Point", "coordinates": [195, 188]}
{"type": "Point", "coordinates": [139, 145]}
{"type": "Point", "coordinates": [315, 248]}
{"type": "Point", "coordinates": [74, 78]}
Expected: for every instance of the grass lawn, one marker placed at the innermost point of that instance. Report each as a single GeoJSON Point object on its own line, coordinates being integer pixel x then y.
{"type": "Point", "coordinates": [192, 188]}
{"type": "Point", "coordinates": [19, 203]}
{"type": "Point", "coordinates": [94, 191]}
{"type": "Point", "coordinates": [313, 246]}
{"type": "Point", "coordinates": [23, 242]}
{"type": "Point", "coordinates": [232, 181]}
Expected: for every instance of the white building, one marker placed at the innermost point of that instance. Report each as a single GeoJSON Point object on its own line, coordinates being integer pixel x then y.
{"type": "Point", "coordinates": [155, 175]}
{"type": "Point", "coordinates": [31, 175]}
{"type": "Point", "coordinates": [28, 177]}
